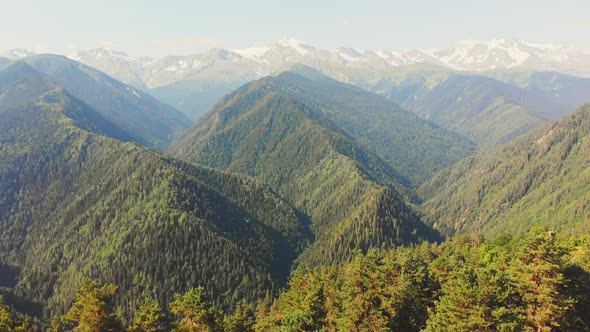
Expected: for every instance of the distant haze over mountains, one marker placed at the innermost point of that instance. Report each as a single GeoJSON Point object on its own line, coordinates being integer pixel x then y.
{"type": "Point", "coordinates": [194, 83]}
{"type": "Point", "coordinates": [255, 62]}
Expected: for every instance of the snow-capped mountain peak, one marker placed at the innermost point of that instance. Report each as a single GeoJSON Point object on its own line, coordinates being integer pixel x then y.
{"type": "Point", "coordinates": [348, 55]}
{"type": "Point", "coordinates": [474, 55]}
{"type": "Point", "coordinates": [101, 53]}
{"type": "Point", "coordinates": [17, 53]}
{"type": "Point", "coordinates": [257, 61]}
{"type": "Point", "coordinates": [297, 45]}
{"type": "Point", "coordinates": [252, 53]}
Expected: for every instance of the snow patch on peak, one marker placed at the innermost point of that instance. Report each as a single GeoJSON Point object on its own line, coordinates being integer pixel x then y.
{"type": "Point", "coordinates": [253, 52]}
{"type": "Point", "coordinates": [290, 42]}
{"type": "Point", "coordinates": [171, 68]}
{"type": "Point", "coordinates": [17, 53]}
{"type": "Point", "coordinates": [481, 56]}
{"type": "Point", "coordinates": [349, 55]}
{"type": "Point", "coordinates": [132, 90]}
{"type": "Point", "coordinates": [348, 51]}
{"type": "Point", "coordinates": [297, 45]}
{"type": "Point", "coordinates": [403, 58]}
{"type": "Point", "coordinates": [75, 56]}
{"type": "Point", "coordinates": [104, 54]}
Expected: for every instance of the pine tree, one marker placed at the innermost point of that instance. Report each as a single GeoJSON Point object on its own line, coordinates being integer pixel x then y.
{"type": "Point", "coordinates": [265, 319]}
{"type": "Point", "coordinates": [6, 315]}
{"type": "Point", "coordinates": [303, 309]}
{"type": "Point", "coordinates": [363, 300]}
{"type": "Point", "coordinates": [538, 271]}
{"type": "Point", "coordinates": [148, 317]}
{"type": "Point", "coordinates": [242, 319]}
{"type": "Point", "coordinates": [93, 309]}
{"type": "Point", "coordinates": [195, 313]}
{"type": "Point", "coordinates": [10, 320]}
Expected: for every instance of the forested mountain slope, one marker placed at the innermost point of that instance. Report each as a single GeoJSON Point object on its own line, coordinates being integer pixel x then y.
{"type": "Point", "coordinates": [75, 202]}
{"type": "Point", "coordinates": [567, 90]}
{"type": "Point", "coordinates": [483, 109]}
{"type": "Point", "coordinates": [415, 148]}
{"type": "Point", "coordinates": [540, 179]}
{"type": "Point", "coordinates": [195, 97]}
{"type": "Point", "coordinates": [143, 117]}
{"type": "Point", "coordinates": [349, 193]}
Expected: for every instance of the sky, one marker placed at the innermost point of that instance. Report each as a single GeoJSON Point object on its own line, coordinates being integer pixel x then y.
{"type": "Point", "coordinates": [158, 28]}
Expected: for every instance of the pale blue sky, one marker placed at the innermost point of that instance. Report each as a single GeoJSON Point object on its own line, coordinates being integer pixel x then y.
{"type": "Point", "coordinates": [156, 28]}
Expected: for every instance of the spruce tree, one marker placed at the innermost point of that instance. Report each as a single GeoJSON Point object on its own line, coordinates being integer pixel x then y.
{"type": "Point", "coordinates": [93, 309]}
{"type": "Point", "coordinates": [538, 272]}
{"type": "Point", "coordinates": [148, 317]}
{"type": "Point", "coordinates": [195, 313]}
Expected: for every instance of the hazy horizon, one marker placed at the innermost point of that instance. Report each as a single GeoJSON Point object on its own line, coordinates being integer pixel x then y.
{"type": "Point", "coordinates": [153, 28]}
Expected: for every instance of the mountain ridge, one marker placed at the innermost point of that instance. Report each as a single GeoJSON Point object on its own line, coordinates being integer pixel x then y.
{"type": "Point", "coordinates": [149, 121]}
{"type": "Point", "coordinates": [312, 162]}
{"type": "Point", "coordinates": [540, 179]}
{"type": "Point", "coordinates": [78, 202]}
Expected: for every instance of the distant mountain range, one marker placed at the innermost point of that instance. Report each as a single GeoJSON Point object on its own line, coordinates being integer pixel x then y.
{"type": "Point", "coordinates": [489, 92]}
{"type": "Point", "coordinates": [192, 83]}
{"type": "Point", "coordinates": [476, 56]}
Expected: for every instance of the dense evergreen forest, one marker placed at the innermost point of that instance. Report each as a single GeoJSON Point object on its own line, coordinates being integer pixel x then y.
{"type": "Point", "coordinates": [540, 179]}
{"type": "Point", "coordinates": [353, 198]}
{"type": "Point", "coordinates": [538, 281]}
{"type": "Point", "coordinates": [298, 203]}
{"type": "Point", "coordinates": [143, 118]}
{"type": "Point", "coordinates": [76, 203]}
{"type": "Point", "coordinates": [413, 147]}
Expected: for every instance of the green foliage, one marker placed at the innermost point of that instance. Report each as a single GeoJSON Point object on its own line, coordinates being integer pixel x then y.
{"type": "Point", "coordinates": [415, 148]}
{"type": "Point", "coordinates": [148, 317]}
{"type": "Point", "coordinates": [11, 321]}
{"type": "Point", "coordinates": [542, 179]}
{"type": "Point", "coordinates": [477, 296]}
{"type": "Point", "coordinates": [350, 195]}
{"type": "Point", "coordinates": [540, 272]}
{"type": "Point", "coordinates": [93, 309]}
{"type": "Point", "coordinates": [242, 319]}
{"type": "Point", "coordinates": [74, 202]}
{"type": "Point", "coordinates": [465, 284]}
{"type": "Point", "coordinates": [195, 313]}
{"type": "Point", "coordinates": [143, 118]}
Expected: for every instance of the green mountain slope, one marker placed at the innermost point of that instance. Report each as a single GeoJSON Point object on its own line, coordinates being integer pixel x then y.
{"type": "Point", "coordinates": [415, 148]}
{"type": "Point", "coordinates": [569, 91]}
{"type": "Point", "coordinates": [348, 193]}
{"type": "Point", "coordinates": [150, 121]}
{"type": "Point", "coordinates": [485, 110]}
{"type": "Point", "coordinates": [19, 83]}
{"type": "Point", "coordinates": [540, 179]}
{"type": "Point", "coordinates": [75, 202]}
{"type": "Point", "coordinates": [195, 97]}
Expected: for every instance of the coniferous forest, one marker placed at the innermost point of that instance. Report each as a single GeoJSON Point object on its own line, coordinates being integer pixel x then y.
{"type": "Point", "coordinates": [322, 191]}
{"type": "Point", "coordinates": [538, 281]}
